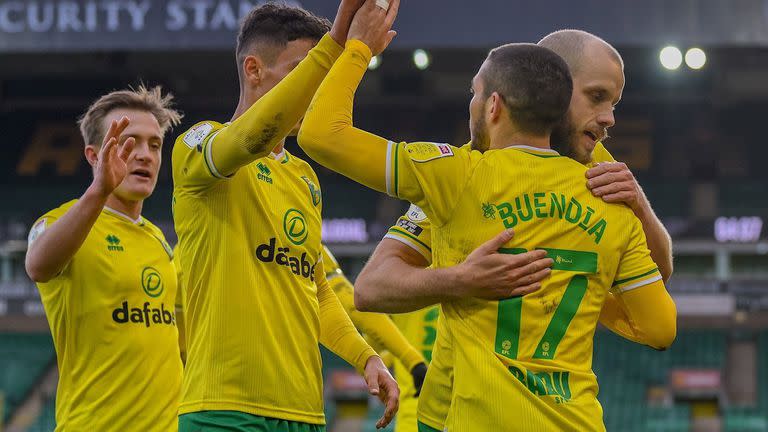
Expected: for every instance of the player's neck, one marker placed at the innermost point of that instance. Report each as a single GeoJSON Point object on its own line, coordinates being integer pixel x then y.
{"type": "Point", "coordinates": [131, 209]}
{"type": "Point", "coordinates": [247, 98]}
{"type": "Point", "coordinates": [279, 148]}
{"type": "Point", "coordinates": [517, 138]}
{"type": "Point", "coordinates": [242, 107]}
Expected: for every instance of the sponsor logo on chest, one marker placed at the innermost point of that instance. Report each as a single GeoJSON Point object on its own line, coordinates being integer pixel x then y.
{"type": "Point", "coordinates": [146, 314]}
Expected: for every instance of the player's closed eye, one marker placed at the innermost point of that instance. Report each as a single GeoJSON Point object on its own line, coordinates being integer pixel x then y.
{"type": "Point", "coordinates": [598, 96]}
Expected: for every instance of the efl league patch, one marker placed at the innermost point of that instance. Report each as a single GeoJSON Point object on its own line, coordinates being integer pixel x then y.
{"type": "Point", "coordinates": [416, 214]}
{"type": "Point", "coordinates": [195, 136]}
{"type": "Point", "coordinates": [410, 227]}
{"type": "Point", "coordinates": [425, 152]}
{"type": "Point", "coordinates": [36, 230]}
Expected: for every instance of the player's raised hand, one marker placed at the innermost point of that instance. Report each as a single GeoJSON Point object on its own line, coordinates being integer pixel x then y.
{"type": "Point", "coordinates": [372, 24]}
{"type": "Point", "coordinates": [112, 163]}
{"type": "Point", "coordinates": [344, 16]}
{"type": "Point", "coordinates": [491, 275]}
{"type": "Point", "coordinates": [614, 183]}
{"type": "Point", "coordinates": [382, 385]}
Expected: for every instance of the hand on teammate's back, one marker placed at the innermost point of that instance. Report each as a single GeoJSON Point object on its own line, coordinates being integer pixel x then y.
{"type": "Point", "coordinates": [491, 275]}
{"type": "Point", "coordinates": [112, 164]}
{"type": "Point", "coordinates": [344, 16]}
{"type": "Point", "coordinates": [372, 24]}
{"type": "Point", "coordinates": [614, 183]}
{"type": "Point", "coordinates": [382, 385]}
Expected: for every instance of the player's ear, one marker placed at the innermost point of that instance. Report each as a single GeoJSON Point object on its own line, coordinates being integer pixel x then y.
{"type": "Point", "coordinates": [91, 154]}
{"type": "Point", "coordinates": [253, 70]}
{"type": "Point", "coordinates": [495, 105]}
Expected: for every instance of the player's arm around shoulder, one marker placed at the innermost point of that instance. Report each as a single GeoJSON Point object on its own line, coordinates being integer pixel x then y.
{"type": "Point", "coordinates": [485, 274]}
{"type": "Point", "coordinates": [614, 182]}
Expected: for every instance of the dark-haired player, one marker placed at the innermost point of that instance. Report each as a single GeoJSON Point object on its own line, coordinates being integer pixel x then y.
{"type": "Point", "coordinates": [247, 214]}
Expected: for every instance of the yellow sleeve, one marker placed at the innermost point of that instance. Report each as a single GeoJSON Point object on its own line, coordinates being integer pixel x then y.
{"type": "Point", "coordinates": [336, 330]}
{"type": "Point", "coordinates": [267, 122]}
{"type": "Point", "coordinates": [414, 230]}
{"type": "Point", "coordinates": [180, 324]}
{"type": "Point", "coordinates": [403, 170]}
{"type": "Point", "coordinates": [636, 268]}
{"type": "Point", "coordinates": [647, 315]}
{"type": "Point", "coordinates": [639, 307]}
{"type": "Point", "coordinates": [377, 327]}
{"type": "Point", "coordinates": [387, 358]}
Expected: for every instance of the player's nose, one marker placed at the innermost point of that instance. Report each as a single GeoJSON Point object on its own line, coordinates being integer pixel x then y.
{"type": "Point", "coordinates": [142, 153]}
{"type": "Point", "coordinates": [606, 119]}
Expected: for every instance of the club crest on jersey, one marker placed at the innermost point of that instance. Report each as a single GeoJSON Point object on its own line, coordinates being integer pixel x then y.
{"type": "Point", "coordinates": [416, 214]}
{"type": "Point", "coordinates": [314, 191]}
{"type": "Point", "coordinates": [195, 137]}
{"type": "Point", "coordinates": [425, 152]}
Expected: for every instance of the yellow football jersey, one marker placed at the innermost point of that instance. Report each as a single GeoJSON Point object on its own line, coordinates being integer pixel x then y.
{"type": "Point", "coordinates": [533, 354]}
{"type": "Point", "coordinates": [415, 230]}
{"type": "Point", "coordinates": [112, 317]}
{"type": "Point", "coordinates": [249, 245]}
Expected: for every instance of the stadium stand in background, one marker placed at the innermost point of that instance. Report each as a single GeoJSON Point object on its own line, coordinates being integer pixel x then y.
{"type": "Point", "coordinates": [695, 139]}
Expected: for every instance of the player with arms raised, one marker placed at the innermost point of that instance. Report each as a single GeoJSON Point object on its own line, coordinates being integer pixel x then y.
{"type": "Point", "coordinates": [406, 248]}
{"type": "Point", "coordinates": [248, 216]}
{"type": "Point", "coordinates": [522, 364]}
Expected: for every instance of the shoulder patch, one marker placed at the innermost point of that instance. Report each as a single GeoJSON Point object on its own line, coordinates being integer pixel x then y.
{"type": "Point", "coordinates": [425, 152]}
{"type": "Point", "coordinates": [410, 226]}
{"type": "Point", "coordinates": [196, 136]}
{"type": "Point", "coordinates": [36, 230]}
{"type": "Point", "coordinates": [416, 214]}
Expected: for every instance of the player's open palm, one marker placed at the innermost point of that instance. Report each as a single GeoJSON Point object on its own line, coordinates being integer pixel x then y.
{"type": "Point", "coordinates": [344, 16]}
{"type": "Point", "coordinates": [382, 385]}
{"type": "Point", "coordinates": [492, 275]}
{"type": "Point", "coordinates": [372, 24]}
{"type": "Point", "coordinates": [112, 164]}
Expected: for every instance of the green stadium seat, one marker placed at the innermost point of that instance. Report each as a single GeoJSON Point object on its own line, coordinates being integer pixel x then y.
{"type": "Point", "coordinates": [46, 422]}
{"type": "Point", "coordinates": [23, 359]}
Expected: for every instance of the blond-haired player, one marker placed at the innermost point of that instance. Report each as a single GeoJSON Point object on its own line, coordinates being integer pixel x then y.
{"type": "Point", "coordinates": [248, 216]}
{"type": "Point", "coordinates": [107, 279]}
